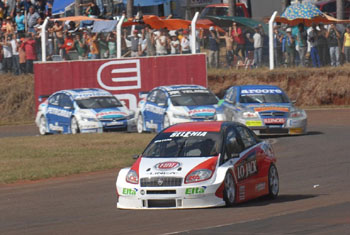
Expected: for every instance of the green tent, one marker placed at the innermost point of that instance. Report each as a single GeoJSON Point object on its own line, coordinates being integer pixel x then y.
{"type": "Point", "coordinates": [226, 21]}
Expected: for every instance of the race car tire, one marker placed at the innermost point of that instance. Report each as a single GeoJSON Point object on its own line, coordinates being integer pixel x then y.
{"type": "Point", "coordinates": [229, 189]}
{"type": "Point", "coordinates": [166, 121]}
{"type": "Point", "coordinates": [42, 125]}
{"type": "Point", "coordinates": [273, 182]}
{"type": "Point", "coordinates": [74, 126]}
{"type": "Point", "coordinates": [139, 124]}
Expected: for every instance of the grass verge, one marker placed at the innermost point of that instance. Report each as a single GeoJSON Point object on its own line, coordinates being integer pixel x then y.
{"type": "Point", "coordinates": [41, 157]}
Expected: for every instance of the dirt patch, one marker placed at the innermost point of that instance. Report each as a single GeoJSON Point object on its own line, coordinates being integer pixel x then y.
{"type": "Point", "coordinates": [310, 87]}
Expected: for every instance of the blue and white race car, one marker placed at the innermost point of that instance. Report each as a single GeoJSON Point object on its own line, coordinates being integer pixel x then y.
{"type": "Point", "coordinates": [265, 109]}
{"type": "Point", "coordinates": [168, 105]}
{"type": "Point", "coordinates": [82, 111]}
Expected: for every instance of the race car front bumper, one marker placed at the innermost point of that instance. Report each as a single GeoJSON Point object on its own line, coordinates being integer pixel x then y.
{"type": "Point", "coordinates": [131, 197]}
{"type": "Point", "coordinates": [291, 126]}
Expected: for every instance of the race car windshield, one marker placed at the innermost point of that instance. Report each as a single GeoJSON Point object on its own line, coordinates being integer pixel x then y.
{"type": "Point", "coordinates": [99, 103]}
{"type": "Point", "coordinates": [263, 98]}
{"type": "Point", "coordinates": [192, 98]}
{"type": "Point", "coordinates": [184, 144]}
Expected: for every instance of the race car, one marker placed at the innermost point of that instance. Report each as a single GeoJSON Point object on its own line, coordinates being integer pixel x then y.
{"type": "Point", "coordinates": [83, 111]}
{"type": "Point", "coordinates": [265, 109]}
{"type": "Point", "coordinates": [199, 164]}
{"type": "Point", "coordinates": [168, 105]}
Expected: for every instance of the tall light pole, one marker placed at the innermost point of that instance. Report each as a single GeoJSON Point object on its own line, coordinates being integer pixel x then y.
{"type": "Point", "coordinates": [77, 8]}
{"type": "Point", "coordinates": [340, 9]}
{"type": "Point", "coordinates": [232, 8]}
{"type": "Point", "coordinates": [129, 8]}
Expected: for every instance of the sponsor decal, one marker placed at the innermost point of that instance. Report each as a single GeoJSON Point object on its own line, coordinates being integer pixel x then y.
{"type": "Point", "coordinates": [120, 75]}
{"type": "Point", "coordinates": [261, 109]}
{"type": "Point", "coordinates": [55, 128]}
{"type": "Point", "coordinates": [111, 114]}
{"type": "Point", "coordinates": [260, 187]}
{"type": "Point", "coordinates": [164, 173]}
{"type": "Point", "coordinates": [261, 91]}
{"type": "Point", "coordinates": [163, 140]}
{"type": "Point", "coordinates": [151, 125]}
{"type": "Point", "coordinates": [89, 94]}
{"type": "Point", "coordinates": [295, 130]}
{"type": "Point", "coordinates": [164, 166]}
{"type": "Point", "coordinates": [274, 120]}
{"type": "Point", "coordinates": [129, 191]}
{"type": "Point", "coordinates": [154, 109]}
{"type": "Point", "coordinates": [197, 190]}
{"type": "Point", "coordinates": [187, 134]}
{"type": "Point", "coordinates": [201, 112]}
{"type": "Point", "coordinates": [253, 123]}
{"type": "Point", "coordinates": [59, 112]}
{"type": "Point", "coordinates": [247, 168]}
{"type": "Point", "coordinates": [242, 192]}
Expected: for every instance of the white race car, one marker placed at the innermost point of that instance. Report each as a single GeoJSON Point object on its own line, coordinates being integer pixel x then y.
{"type": "Point", "coordinates": [168, 105]}
{"type": "Point", "coordinates": [199, 164]}
{"type": "Point", "coordinates": [81, 111]}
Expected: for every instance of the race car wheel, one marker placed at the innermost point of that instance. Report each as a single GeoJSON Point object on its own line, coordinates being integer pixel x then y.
{"type": "Point", "coordinates": [74, 126]}
{"type": "Point", "coordinates": [166, 121]}
{"type": "Point", "coordinates": [229, 190]}
{"type": "Point", "coordinates": [140, 123]}
{"type": "Point", "coordinates": [42, 126]}
{"type": "Point", "coordinates": [273, 182]}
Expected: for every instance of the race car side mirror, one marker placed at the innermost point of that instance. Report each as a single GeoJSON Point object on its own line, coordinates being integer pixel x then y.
{"type": "Point", "coordinates": [294, 102]}
{"type": "Point", "coordinates": [135, 156]}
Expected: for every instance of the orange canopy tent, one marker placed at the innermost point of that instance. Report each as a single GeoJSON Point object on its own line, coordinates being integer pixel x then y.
{"type": "Point", "coordinates": [156, 22]}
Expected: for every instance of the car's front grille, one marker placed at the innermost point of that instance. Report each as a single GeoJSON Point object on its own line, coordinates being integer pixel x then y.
{"type": "Point", "coordinates": [272, 114]}
{"type": "Point", "coordinates": [161, 191]}
{"type": "Point", "coordinates": [112, 119]}
{"type": "Point", "coordinates": [161, 203]}
{"type": "Point", "coordinates": [160, 182]}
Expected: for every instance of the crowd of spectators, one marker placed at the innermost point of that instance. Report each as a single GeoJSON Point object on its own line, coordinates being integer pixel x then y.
{"type": "Point", "coordinates": [22, 20]}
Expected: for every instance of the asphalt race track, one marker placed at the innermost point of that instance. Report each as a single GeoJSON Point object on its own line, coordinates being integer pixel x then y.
{"type": "Point", "coordinates": [314, 196]}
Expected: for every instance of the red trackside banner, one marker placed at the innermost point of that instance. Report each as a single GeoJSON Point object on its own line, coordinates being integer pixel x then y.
{"type": "Point", "coordinates": [125, 78]}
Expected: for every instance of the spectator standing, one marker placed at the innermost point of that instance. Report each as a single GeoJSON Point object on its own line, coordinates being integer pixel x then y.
{"type": "Point", "coordinates": [103, 46]}
{"type": "Point", "coordinates": [94, 50]}
{"type": "Point", "coordinates": [313, 39]}
{"type": "Point", "coordinates": [323, 46]}
{"type": "Point", "coordinates": [57, 30]}
{"type": "Point", "coordinates": [22, 57]}
{"type": "Point", "coordinates": [229, 48]}
{"type": "Point", "coordinates": [112, 48]}
{"type": "Point", "coordinates": [174, 45]}
{"type": "Point", "coordinates": [277, 44]}
{"type": "Point", "coordinates": [258, 47]}
{"type": "Point", "coordinates": [238, 37]}
{"type": "Point", "coordinates": [15, 55]}
{"type": "Point", "coordinates": [135, 44]}
{"type": "Point", "coordinates": [185, 43]}
{"type": "Point", "coordinates": [213, 48]}
{"type": "Point", "coordinates": [346, 44]}
{"type": "Point", "coordinates": [67, 46]}
{"type": "Point", "coordinates": [9, 27]}
{"type": "Point", "coordinates": [333, 37]}
{"type": "Point", "coordinates": [289, 48]}
{"type": "Point", "coordinates": [29, 47]}
{"type": "Point", "coordinates": [80, 47]}
{"type": "Point", "coordinates": [302, 43]}
{"type": "Point", "coordinates": [150, 48]}
{"type": "Point", "coordinates": [161, 43]}
{"type": "Point", "coordinates": [11, 8]}
{"type": "Point", "coordinates": [7, 50]}
{"type": "Point", "coordinates": [19, 19]}
{"type": "Point", "coordinates": [32, 18]}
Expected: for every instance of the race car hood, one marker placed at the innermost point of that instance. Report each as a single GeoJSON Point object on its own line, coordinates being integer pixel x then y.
{"type": "Point", "coordinates": [285, 107]}
{"type": "Point", "coordinates": [172, 167]}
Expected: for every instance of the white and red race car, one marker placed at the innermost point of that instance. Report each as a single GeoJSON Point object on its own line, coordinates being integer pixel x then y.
{"type": "Point", "coordinates": [200, 164]}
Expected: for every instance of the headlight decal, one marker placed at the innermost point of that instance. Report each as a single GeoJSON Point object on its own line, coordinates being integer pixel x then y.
{"type": "Point", "coordinates": [133, 174]}
{"type": "Point", "coordinates": [202, 172]}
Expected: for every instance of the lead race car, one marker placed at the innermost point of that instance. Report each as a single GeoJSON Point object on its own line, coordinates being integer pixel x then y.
{"type": "Point", "coordinates": [168, 105]}
{"type": "Point", "coordinates": [199, 164]}
{"type": "Point", "coordinates": [83, 111]}
{"type": "Point", "coordinates": [265, 109]}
